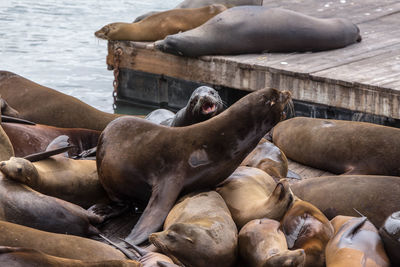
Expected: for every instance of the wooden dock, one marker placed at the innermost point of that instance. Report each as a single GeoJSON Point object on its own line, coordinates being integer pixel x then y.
{"type": "Point", "coordinates": [362, 79]}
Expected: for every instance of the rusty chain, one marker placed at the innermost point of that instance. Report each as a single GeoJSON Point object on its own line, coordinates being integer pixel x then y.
{"type": "Point", "coordinates": [117, 60]}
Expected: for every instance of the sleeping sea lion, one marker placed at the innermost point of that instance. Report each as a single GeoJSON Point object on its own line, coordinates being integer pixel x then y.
{"type": "Point", "coordinates": [157, 26]}
{"type": "Point", "coordinates": [203, 104]}
{"type": "Point", "coordinates": [251, 194]}
{"type": "Point", "coordinates": [340, 147]}
{"type": "Point", "coordinates": [268, 30]}
{"type": "Point", "coordinates": [149, 163]}
{"type": "Point", "coordinates": [263, 244]}
{"type": "Point", "coordinates": [306, 227]}
{"type": "Point", "coordinates": [199, 231]}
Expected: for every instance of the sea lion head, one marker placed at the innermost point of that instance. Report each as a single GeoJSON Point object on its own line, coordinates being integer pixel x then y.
{"type": "Point", "coordinates": [279, 201]}
{"type": "Point", "coordinates": [204, 103]}
{"type": "Point", "coordinates": [181, 240]}
{"type": "Point", "coordinates": [107, 32]}
{"type": "Point", "coordinates": [20, 170]}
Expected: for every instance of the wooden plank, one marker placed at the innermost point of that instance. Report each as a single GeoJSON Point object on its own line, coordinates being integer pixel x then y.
{"type": "Point", "coordinates": [306, 171]}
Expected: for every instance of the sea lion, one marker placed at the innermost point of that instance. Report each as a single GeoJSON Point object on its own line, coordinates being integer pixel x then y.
{"type": "Point", "coordinates": [6, 148]}
{"type": "Point", "coordinates": [203, 104]}
{"type": "Point", "coordinates": [269, 158]}
{"type": "Point", "coordinates": [263, 244]}
{"type": "Point", "coordinates": [58, 110]}
{"type": "Point", "coordinates": [59, 245]}
{"type": "Point", "coordinates": [251, 194]}
{"type": "Point", "coordinates": [202, 3]}
{"type": "Point", "coordinates": [28, 139]}
{"type": "Point", "coordinates": [75, 181]}
{"type": "Point", "coordinates": [26, 257]}
{"type": "Point", "coordinates": [199, 231]}
{"type": "Point", "coordinates": [7, 110]}
{"type": "Point", "coordinates": [269, 29]}
{"type": "Point", "coordinates": [390, 234]}
{"type": "Point", "coordinates": [356, 243]}
{"type": "Point", "coordinates": [306, 227]}
{"type": "Point", "coordinates": [157, 26]}
{"type": "Point", "coordinates": [376, 197]}
{"type": "Point", "coordinates": [340, 147]}
{"type": "Point", "coordinates": [149, 163]}
{"type": "Point", "coordinates": [23, 205]}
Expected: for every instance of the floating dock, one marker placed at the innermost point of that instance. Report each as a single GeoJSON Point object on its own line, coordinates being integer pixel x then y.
{"type": "Point", "coordinates": [359, 82]}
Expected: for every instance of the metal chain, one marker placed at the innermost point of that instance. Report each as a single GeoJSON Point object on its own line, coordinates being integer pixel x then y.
{"type": "Point", "coordinates": [117, 60]}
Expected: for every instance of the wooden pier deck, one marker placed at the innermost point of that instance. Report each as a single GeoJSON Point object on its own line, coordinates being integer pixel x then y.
{"type": "Point", "coordinates": [363, 78]}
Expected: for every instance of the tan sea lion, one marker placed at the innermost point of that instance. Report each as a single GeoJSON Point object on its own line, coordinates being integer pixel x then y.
{"type": "Point", "coordinates": [199, 231]}
{"type": "Point", "coordinates": [59, 109]}
{"type": "Point", "coordinates": [202, 3]}
{"type": "Point", "coordinates": [269, 158]}
{"type": "Point", "coordinates": [376, 197]}
{"type": "Point", "coordinates": [75, 181]}
{"type": "Point", "coordinates": [262, 244]}
{"type": "Point", "coordinates": [28, 139]}
{"type": "Point", "coordinates": [390, 234]}
{"type": "Point", "coordinates": [26, 257]}
{"type": "Point", "coordinates": [204, 103]}
{"type": "Point", "coordinates": [251, 194]}
{"type": "Point", "coordinates": [23, 205]}
{"type": "Point", "coordinates": [59, 245]}
{"type": "Point", "coordinates": [148, 163]}
{"type": "Point", "coordinates": [356, 244]}
{"type": "Point", "coordinates": [157, 26]}
{"type": "Point", "coordinates": [341, 147]}
{"type": "Point", "coordinates": [268, 30]}
{"type": "Point", "coordinates": [306, 227]}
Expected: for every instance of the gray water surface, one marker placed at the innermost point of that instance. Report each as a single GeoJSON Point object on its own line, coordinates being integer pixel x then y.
{"type": "Point", "coordinates": [52, 42]}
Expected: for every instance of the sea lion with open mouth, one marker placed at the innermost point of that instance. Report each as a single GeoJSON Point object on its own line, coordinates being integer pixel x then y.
{"type": "Point", "coordinates": [148, 163]}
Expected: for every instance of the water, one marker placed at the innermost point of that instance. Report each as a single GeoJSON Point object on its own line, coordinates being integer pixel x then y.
{"type": "Point", "coordinates": [52, 42]}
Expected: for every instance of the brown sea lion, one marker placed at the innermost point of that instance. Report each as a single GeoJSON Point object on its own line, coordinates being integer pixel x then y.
{"type": "Point", "coordinates": [199, 231]}
{"type": "Point", "coordinates": [306, 227]}
{"type": "Point", "coordinates": [376, 197]}
{"type": "Point", "coordinates": [262, 244]}
{"type": "Point", "coordinates": [251, 194]}
{"type": "Point", "coordinates": [269, 158]}
{"type": "Point", "coordinates": [59, 245]}
{"type": "Point", "coordinates": [157, 26]}
{"type": "Point", "coordinates": [340, 146]}
{"type": "Point", "coordinates": [75, 181]}
{"type": "Point", "coordinates": [203, 104]}
{"type": "Point", "coordinates": [390, 234]}
{"type": "Point", "coordinates": [356, 244]}
{"type": "Point", "coordinates": [28, 139]}
{"type": "Point", "coordinates": [269, 29]}
{"type": "Point", "coordinates": [149, 163]}
{"type": "Point", "coordinates": [58, 109]}
{"type": "Point", "coordinates": [23, 205]}
{"type": "Point", "coordinates": [202, 3]}
{"type": "Point", "coordinates": [26, 257]}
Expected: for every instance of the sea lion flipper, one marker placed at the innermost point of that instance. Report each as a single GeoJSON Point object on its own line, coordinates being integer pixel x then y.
{"type": "Point", "coordinates": [162, 199]}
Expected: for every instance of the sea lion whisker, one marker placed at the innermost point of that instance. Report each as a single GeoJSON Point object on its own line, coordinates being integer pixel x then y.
{"type": "Point", "coordinates": [359, 213]}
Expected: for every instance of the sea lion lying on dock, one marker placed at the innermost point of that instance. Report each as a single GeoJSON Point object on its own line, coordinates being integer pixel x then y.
{"type": "Point", "coordinates": [305, 227]}
{"type": "Point", "coordinates": [26, 257]}
{"type": "Point", "coordinates": [251, 194]}
{"type": "Point", "coordinates": [157, 26]}
{"type": "Point", "coordinates": [58, 245]}
{"type": "Point", "coordinates": [376, 197]}
{"type": "Point", "coordinates": [356, 244]}
{"type": "Point", "coordinates": [148, 163]}
{"type": "Point", "coordinates": [204, 103]}
{"type": "Point", "coordinates": [199, 231]}
{"type": "Point", "coordinates": [44, 105]}
{"type": "Point", "coordinates": [263, 244]}
{"type": "Point", "coordinates": [341, 147]}
{"type": "Point", "coordinates": [268, 30]}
